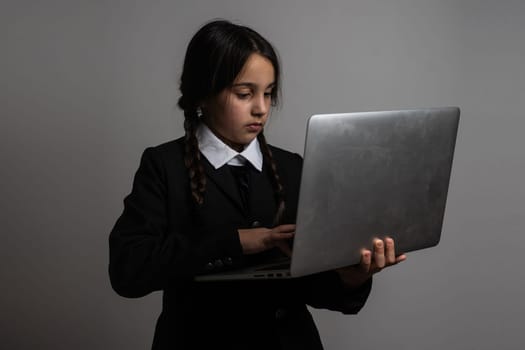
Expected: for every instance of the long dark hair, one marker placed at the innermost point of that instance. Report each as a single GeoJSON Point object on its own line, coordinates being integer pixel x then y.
{"type": "Point", "coordinates": [215, 56]}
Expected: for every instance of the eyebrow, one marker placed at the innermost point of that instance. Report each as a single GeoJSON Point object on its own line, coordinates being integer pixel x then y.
{"type": "Point", "coordinates": [252, 85]}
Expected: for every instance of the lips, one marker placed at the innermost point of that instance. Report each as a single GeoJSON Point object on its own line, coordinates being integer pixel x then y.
{"type": "Point", "coordinates": [254, 127]}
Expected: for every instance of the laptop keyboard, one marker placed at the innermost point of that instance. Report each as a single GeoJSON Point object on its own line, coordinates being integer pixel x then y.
{"type": "Point", "coordinates": [276, 266]}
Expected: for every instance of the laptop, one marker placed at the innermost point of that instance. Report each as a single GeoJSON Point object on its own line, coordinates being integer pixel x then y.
{"type": "Point", "coordinates": [366, 175]}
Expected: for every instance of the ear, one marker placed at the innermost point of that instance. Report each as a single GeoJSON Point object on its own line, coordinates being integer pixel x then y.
{"type": "Point", "coordinates": [199, 112]}
{"type": "Point", "coordinates": [204, 103]}
{"type": "Point", "coordinates": [205, 106]}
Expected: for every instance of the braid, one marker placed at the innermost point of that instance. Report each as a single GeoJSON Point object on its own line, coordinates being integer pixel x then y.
{"type": "Point", "coordinates": [276, 180]}
{"type": "Point", "coordinates": [192, 157]}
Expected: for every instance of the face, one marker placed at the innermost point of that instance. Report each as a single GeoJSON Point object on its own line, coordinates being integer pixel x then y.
{"type": "Point", "coordinates": [239, 112]}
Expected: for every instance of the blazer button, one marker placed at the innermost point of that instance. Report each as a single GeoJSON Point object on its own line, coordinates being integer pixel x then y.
{"type": "Point", "coordinates": [280, 314]}
{"type": "Point", "coordinates": [209, 266]}
{"type": "Point", "coordinates": [256, 224]}
{"type": "Point", "coordinates": [228, 261]}
{"type": "Point", "coordinates": [218, 263]}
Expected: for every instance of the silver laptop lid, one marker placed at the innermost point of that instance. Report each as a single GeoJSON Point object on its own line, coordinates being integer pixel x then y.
{"type": "Point", "coordinates": [372, 174]}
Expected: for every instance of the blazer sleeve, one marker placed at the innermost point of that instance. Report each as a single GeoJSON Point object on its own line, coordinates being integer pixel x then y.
{"type": "Point", "coordinates": [147, 253]}
{"type": "Point", "coordinates": [326, 291]}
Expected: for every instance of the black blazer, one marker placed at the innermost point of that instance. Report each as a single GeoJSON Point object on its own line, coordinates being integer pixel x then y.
{"type": "Point", "coordinates": [163, 239]}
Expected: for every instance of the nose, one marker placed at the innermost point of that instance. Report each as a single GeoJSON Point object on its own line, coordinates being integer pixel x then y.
{"type": "Point", "coordinates": [260, 106]}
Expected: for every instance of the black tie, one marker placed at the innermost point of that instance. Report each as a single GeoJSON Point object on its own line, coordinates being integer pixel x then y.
{"type": "Point", "coordinates": [242, 177]}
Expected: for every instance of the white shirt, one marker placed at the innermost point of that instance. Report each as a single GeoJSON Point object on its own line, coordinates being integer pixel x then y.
{"type": "Point", "coordinates": [218, 153]}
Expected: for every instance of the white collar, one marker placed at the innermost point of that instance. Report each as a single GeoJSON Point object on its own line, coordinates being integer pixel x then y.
{"type": "Point", "coordinates": [218, 153]}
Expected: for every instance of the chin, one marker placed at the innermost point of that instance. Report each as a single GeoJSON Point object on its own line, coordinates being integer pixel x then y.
{"type": "Point", "coordinates": [250, 139]}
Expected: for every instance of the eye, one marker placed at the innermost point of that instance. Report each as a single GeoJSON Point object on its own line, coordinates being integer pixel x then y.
{"type": "Point", "coordinates": [243, 95]}
{"type": "Point", "coordinates": [268, 94]}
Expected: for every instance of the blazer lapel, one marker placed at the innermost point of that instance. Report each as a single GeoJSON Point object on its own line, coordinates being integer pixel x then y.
{"type": "Point", "coordinates": [225, 182]}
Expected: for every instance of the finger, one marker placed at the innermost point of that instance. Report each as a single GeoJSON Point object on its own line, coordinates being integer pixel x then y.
{"type": "Point", "coordinates": [366, 260]}
{"type": "Point", "coordinates": [285, 228]}
{"type": "Point", "coordinates": [390, 252]}
{"type": "Point", "coordinates": [281, 236]}
{"type": "Point", "coordinates": [379, 253]}
{"type": "Point", "coordinates": [401, 258]}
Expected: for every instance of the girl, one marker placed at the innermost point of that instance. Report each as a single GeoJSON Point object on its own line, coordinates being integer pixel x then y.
{"type": "Point", "coordinates": [219, 198]}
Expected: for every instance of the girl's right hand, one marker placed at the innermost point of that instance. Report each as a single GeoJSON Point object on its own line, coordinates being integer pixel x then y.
{"type": "Point", "coordinates": [256, 240]}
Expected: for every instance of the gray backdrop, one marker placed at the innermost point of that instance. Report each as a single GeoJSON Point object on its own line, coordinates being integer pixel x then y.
{"type": "Point", "coordinates": [87, 85]}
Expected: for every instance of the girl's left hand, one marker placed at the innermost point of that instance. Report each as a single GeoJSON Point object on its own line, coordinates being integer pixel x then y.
{"type": "Point", "coordinates": [384, 255]}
